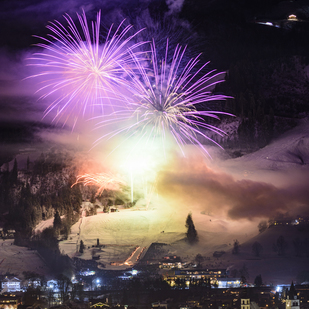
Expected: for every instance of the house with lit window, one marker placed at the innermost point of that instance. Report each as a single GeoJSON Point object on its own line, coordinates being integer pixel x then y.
{"type": "Point", "coordinates": [11, 284]}
{"type": "Point", "coordinates": [100, 305]}
{"type": "Point", "coordinates": [292, 302]}
{"type": "Point", "coordinates": [194, 276]}
{"type": "Point", "coordinates": [226, 283]}
{"type": "Point", "coordinates": [34, 282]}
{"type": "Point", "coordinates": [52, 285]}
{"type": "Point", "coordinates": [9, 301]}
{"type": "Point", "coordinates": [171, 262]}
{"type": "Point", "coordinates": [245, 303]}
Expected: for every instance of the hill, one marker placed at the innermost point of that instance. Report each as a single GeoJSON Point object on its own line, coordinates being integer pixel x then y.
{"type": "Point", "coordinates": [122, 231]}
{"type": "Point", "coordinates": [216, 229]}
{"type": "Point", "coordinates": [221, 194]}
{"type": "Point", "coordinates": [274, 268]}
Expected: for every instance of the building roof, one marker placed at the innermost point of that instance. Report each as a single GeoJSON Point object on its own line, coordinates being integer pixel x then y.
{"type": "Point", "coordinates": [100, 305]}
{"type": "Point", "coordinates": [11, 279]}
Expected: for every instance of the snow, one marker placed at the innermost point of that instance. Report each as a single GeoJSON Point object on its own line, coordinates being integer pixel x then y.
{"type": "Point", "coordinates": [281, 154]}
{"type": "Point", "coordinates": [164, 222]}
{"type": "Point", "coordinates": [122, 231]}
{"type": "Point", "coordinates": [14, 259]}
{"type": "Point", "coordinates": [273, 268]}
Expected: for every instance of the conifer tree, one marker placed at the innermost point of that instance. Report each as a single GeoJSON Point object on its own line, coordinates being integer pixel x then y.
{"type": "Point", "coordinates": [236, 247]}
{"type": "Point", "coordinates": [57, 221]}
{"type": "Point", "coordinates": [292, 291]}
{"type": "Point", "coordinates": [258, 281]}
{"type": "Point", "coordinates": [257, 248]}
{"type": "Point", "coordinates": [81, 247]}
{"type": "Point", "coordinates": [191, 231]}
{"type": "Point", "coordinates": [14, 173]}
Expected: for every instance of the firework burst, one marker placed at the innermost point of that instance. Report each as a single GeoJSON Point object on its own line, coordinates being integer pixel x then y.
{"type": "Point", "coordinates": [170, 99]}
{"type": "Point", "coordinates": [104, 181]}
{"type": "Point", "coordinates": [79, 71]}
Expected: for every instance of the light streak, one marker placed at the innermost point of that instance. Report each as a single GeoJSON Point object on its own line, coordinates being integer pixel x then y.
{"type": "Point", "coordinates": [169, 101]}
{"type": "Point", "coordinates": [80, 73]}
{"type": "Point", "coordinates": [104, 181]}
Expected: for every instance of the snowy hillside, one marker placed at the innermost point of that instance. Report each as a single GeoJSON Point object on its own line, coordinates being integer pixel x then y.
{"type": "Point", "coordinates": [289, 151]}
{"type": "Point", "coordinates": [164, 221]}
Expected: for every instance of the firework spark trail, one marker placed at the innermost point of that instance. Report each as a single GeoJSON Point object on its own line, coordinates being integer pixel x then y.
{"type": "Point", "coordinates": [80, 71]}
{"type": "Point", "coordinates": [104, 181]}
{"type": "Point", "coordinates": [165, 101]}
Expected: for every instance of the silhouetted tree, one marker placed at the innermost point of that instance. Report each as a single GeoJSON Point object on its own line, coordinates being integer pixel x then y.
{"type": "Point", "coordinates": [191, 232]}
{"type": "Point", "coordinates": [258, 281]}
{"type": "Point", "coordinates": [281, 245]}
{"type": "Point", "coordinates": [14, 173]}
{"type": "Point", "coordinates": [76, 197]}
{"type": "Point", "coordinates": [31, 297]}
{"type": "Point", "coordinates": [199, 259]}
{"type": "Point", "coordinates": [48, 239]}
{"type": "Point", "coordinates": [81, 247]}
{"type": "Point", "coordinates": [292, 291]}
{"type": "Point", "coordinates": [236, 247]}
{"type": "Point", "coordinates": [63, 285]}
{"type": "Point", "coordinates": [57, 221]}
{"type": "Point", "coordinates": [257, 248]}
{"type": "Point", "coordinates": [80, 292]}
{"type": "Point", "coordinates": [244, 273]}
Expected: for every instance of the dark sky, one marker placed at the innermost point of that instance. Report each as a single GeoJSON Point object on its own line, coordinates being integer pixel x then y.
{"type": "Point", "coordinates": [21, 112]}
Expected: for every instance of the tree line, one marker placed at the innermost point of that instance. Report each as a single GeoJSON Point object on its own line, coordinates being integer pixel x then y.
{"type": "Point", "coordinates": [25, 207]}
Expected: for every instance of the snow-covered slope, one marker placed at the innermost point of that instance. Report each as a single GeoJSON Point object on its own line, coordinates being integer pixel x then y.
{"type": "Point", "coordinates": [289, 151]}
{"type": "Point", "coordinates": [164, 221]}
{"type": "Point", "coordinates": [141, 228]}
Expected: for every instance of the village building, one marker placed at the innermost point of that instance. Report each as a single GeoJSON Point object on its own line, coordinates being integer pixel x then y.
{"type": "Point", "coordinates": [11, 284]}
{"type": "Point", "coordinates": [194, 276]}
{"type": "Point", "coordinates": [227, 283]}
{"type": "Point", "coordinates": [292, 303]}
{"type": "Point", "coordinates": [9, 301]}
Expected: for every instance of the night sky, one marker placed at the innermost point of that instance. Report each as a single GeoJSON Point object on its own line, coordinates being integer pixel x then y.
{"type": "Point", "coordinates": [224, 31]}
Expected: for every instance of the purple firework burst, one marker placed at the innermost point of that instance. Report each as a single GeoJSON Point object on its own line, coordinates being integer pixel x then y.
{"type": "Point", "coordinates": [79, 72]}
{"type": "Point", "coordinates": [166, 97]}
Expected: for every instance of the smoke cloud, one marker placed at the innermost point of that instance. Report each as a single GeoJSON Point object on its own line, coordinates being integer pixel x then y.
{"type": "Point", "coordinates": [192, 183]}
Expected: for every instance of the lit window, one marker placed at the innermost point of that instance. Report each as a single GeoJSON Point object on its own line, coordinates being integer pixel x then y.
{"type": "Point", "coordinates": [292, 17]}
